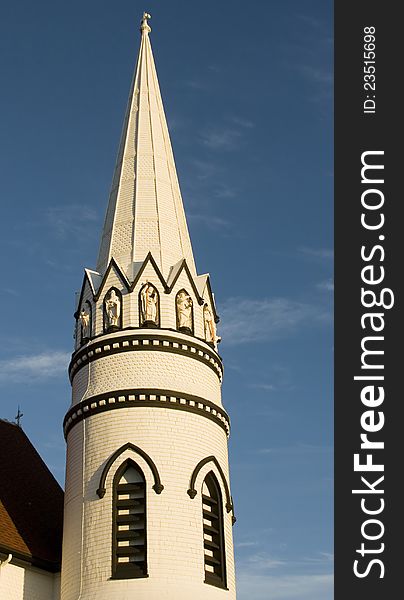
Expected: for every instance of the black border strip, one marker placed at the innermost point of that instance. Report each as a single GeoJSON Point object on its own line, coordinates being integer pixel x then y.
{"type": "Point", "coordinates": [369, 240]}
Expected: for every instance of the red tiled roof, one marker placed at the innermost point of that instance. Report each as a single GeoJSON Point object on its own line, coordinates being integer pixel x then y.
{"type": "Point", "coordinates": [31, 502]}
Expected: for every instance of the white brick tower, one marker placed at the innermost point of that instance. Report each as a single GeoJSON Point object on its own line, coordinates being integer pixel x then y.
{"type": "Point", "coordinates": [148, 509]}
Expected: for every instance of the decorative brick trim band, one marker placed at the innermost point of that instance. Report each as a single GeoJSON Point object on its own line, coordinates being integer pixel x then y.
{"type": "Point", "coordinates": [136, 398]}
{"type": "Point", "coordinates": [144, 341]}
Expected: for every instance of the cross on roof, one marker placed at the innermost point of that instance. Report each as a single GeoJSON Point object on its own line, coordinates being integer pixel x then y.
{"type": "Point", "coordinates": [18, 417]}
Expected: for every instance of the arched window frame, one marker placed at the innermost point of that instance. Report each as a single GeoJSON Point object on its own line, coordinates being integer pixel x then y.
{"type": "Point", "coordinates": [148, 323]}
{"type": "Point", "coordinates": [213, 528]}
{"type": "Point", "coordinates": [119, 570]}
{"type": "Point", "coordinates": [184, 329]}
{"type": "Point", "coordinates": [106, 327]}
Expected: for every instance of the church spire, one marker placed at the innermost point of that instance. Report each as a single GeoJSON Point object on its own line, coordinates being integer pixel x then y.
{"type": "Point", "coordinates": [145, 211]}
{"type": "Point", "coordinates": [146, 342]}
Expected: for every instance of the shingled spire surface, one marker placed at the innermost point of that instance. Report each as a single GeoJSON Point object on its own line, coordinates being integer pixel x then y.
{"type": "Point", "coordinates": [145, 211]}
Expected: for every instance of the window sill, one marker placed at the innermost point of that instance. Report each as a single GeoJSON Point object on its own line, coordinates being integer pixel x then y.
{"type": "Point", "coordinates": [124, 577]}
{"type": "Point", "coordinates": [218, 584]}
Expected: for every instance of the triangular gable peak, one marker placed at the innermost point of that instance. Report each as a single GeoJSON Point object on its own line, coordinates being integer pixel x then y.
{"type": "Point", "coordinates": [96, 283]}
{"type": "Point", "coordinates": [113, 275]}
{"type": "Point", "coordinates": [95, 280]}
{"type": "Point", "coordinates": [174, 272]}
{"type": "Point", "coordinates": [148, 262]}
{"type": "Point", "coordinates": [179, 268]}
{"type": "Point", "coordinates": [200, 282]}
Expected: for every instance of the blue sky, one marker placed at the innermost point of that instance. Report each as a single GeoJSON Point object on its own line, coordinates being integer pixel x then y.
{"type": "Point", "coordinates": [248, 95]}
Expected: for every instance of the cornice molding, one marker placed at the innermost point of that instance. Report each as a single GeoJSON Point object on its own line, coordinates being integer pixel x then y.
{"type": "Point", "coordinates": [133, 342]}
{"type": "Point", "coordinates": [149, 398]}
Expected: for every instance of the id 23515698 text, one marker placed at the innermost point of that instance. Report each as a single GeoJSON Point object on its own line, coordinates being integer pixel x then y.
{"type": "Point", "coordinates": [369, 70]}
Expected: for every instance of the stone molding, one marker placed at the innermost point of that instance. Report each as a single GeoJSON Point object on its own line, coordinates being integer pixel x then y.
{"type": "Point", "coordinates": [144, 341]}
{"type": "Point", "coordinates": [158, 487]}
{"type": "Point", "coordinates": [192, 492]}
{"type": "Point", "coordinates": [141, 398]}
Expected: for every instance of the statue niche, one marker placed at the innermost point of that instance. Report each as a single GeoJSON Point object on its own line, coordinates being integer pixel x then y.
{"type": "Point", "coordinates": [85, 323]}
{"type": "Point", "coordinates": [184, 310]}
{"type": "Point", "coordinates": [210, 327]}
{"type": "Point", "coordinates": [112, 310]}
{"type": "Point", "coordinates": [149, 308]}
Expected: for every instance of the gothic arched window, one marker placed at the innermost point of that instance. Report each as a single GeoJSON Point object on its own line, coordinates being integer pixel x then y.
{"type": "Point", "coordinates": [213, 533]}
{"type": "Point", "coordinates": [149, 306]}
{"type": "Point", "coordinates": [184, 312]}
{"type": "Point", "coordinates": [129, 543]}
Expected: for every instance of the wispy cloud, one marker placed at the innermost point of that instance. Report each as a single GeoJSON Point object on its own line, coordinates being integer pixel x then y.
{"type": "Point", "coordinates": [197, 84]}
{"type": "Point", "coordinates": [311, 21]}
{"type": "Point", "coordinates": [317, 253]}
{"type": "Point", "coordinates": [226, 139]}
{"type": "Point", "coordinates": [242, 122]}
{"type": "Point", "coordinates": [264, 586]}
{"type": "Point", "coordinates": [34, 368]}
{"type": "Point", "coordinates": [73, 219]}
{"type": "Point", "coordinates": [177, 123]}
{"type": "Point", "coordinates": [264, 561]}
{"type": "Point", "coordinates": [248, 544]}
{"type": "Point", "coordinates": [276, 377]}
{"type": "Point", "coordinates": [205, 169]}
{"type": "Point", "coordinates": [262, 576]}
{"type": "Point", "coordinates": [317, 75]}
{"type": "Point", "coordinates": [210, 221]}
{"type": "Point", "coordinates": [11, 291]}
{"type": "Point", "coordinates": [267, 387]}
{"type": "Point", "coordinates": [326, 286]}
{"type": "Point", "coordinates": [322, 558]}
{"type": "Point", "coordinates": [247, 320]}
{"type": "Point", "coordinates": [321, 80]}
{"type": "Point", "coordinates": [53, 442]}
{"type": "Point", "coordinates": [225, 191]}
{"type": "Point", "coordinates": [297, 449]}
{"type": "Point", "coordinates": [322, 32]}
{"type": "Point", "coordinates": [207, 179]}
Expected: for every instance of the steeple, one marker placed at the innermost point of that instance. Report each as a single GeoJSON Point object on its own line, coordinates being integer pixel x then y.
{"type": "Point", "coordinates": [145, 211]}
{"type": "Point", "coordinates": [146, 343]}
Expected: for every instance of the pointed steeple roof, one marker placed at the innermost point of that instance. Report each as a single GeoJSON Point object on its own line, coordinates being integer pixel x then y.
{"type": "Point", "coordinates": [145, 211]}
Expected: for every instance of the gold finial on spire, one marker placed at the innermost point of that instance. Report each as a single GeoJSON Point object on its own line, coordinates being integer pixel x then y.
{"type": "Point", "coordinates": [144, 25]}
